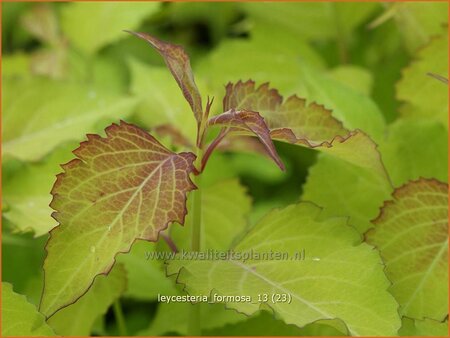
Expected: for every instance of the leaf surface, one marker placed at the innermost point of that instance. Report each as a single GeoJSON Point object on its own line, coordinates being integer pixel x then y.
{"type": "Point", "coordinates": [179, 64]}
{"type": "Point", "coordinates": [39, 115]}
{"type": "Point", "coordinates": [411, 233]}
{"type": "Point", "coordinates": [338, 279]}
{"type": "Point", "coordinates": [78, 319]}
{"type": "Point", "coordinates": [347, 191]}
{"type": "Point", "coordinates": [418, 22]}
{"type": "Point", "coordinates": [92, 35]}
{"type": "Point", "coordinates": [19, 317]}
{"type": "Point", "coordinates": [426, 327]}
{"type": "Point", "coordinates": [27, 193]}
{"type": "Point", "coordinates": [120, 188]}
{"type": "Point", "coordinates": [415, 148]}
{"type": "Point", "coordinates": [160, 99]}
{"type": "Point", "coordinates": [422, 95]}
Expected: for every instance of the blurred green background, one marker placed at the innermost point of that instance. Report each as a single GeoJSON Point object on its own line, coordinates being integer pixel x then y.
{"type": "Point", "coordinates": [68, 69]}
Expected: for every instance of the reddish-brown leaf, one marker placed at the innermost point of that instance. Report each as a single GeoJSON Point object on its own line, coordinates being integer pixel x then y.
{"type": "Point", "coordinates": [120, 188]}
{"type": "Point", "coordinates": [310, 125]}
{"type": "Point", "coordinates": [248, 122]}
{"type": "Point", "coordinates": [178, 62]}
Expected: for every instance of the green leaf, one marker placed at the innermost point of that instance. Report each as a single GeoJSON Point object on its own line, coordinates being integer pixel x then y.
{"type": "Point", "coordinates": [79, 318]}
{"type": "Point", "coordinates": [411, 234]}
{"type": "Point", "coordinates": [426, 327]}
{"type": "Point", "coordinates": [244, 122]}
{"type": "Point", "coordinates": [146, 278]}
{"type": "Point", "coordinates": [318, 20]}
{"type": "Point", "coordinates": [40, 114]}
{"type": "Point", "coordinates": [357, 78]}
{"type": "Point", "coordinates": [310, 125]}
{"type": "Point", "coordinates": [27, 193]}
{"type": "Point", "coordinates": [346, 191]}
{"type": "Point", "coordinates": [160, 99]}
{"type": "Point", "coordinates": [418, 21]}
{"type": "Point", "coordinates": [415, 148]}
{"type": "Point", "coordinates": [120, 188]}
{"type": "Point", "coordinates": [281, 68]}
{"type": "Point", "coordinates": [179, 65]}
{"type": "Point", "coordinates": [174, 317]}
{"type": "Point", "coordinates": [353, 109]}
{"type": "Point", "coordinates": [225, 207]}
{"type": "Point", "coordinates": [20, 318]}
{"type": "Point", "coordinates": [422, 95]}
{"type": "Point", "coordinates": [265, 324]}
{"type": "Point", "coordinates": [339, 278]}
{"type": "Point", "coordinates": [102, 23]}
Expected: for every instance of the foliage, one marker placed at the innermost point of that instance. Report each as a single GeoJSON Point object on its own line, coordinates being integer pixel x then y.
{"type": "Point", "coordinates": [349, 100]}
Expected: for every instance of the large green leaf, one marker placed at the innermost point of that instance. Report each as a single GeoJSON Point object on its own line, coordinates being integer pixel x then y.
{"type": "Point", "coordinates": [20, 318]}
{"type": "Point", "coordinates": [338, 279]}
{"type": "Point", "coordinates": [38, 115]}
{"type": "Point", "coordinates": [120, 188]}
{"type": "Point", "coordinates": [27, 193]}
{"type": "Point", "coordinates": [415, 148]}
{"type": "Point", "coordinates": [411, 234]}
{"type": "Point", "coordinates": [91, 26]}
{"type": "Point", "coordinates": [422, 95]}
{"type": "Point", "coordinates": [79, 318]}
{"type": "Point", "coordinates": [225, 207]}
{"type": "Point", "coordinates": [347, 191]}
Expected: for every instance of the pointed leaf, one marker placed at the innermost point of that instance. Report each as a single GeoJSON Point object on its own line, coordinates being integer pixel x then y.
{"type": "Point", "coordinates": [78, 319]}
{"type": "Point", "coordinates": [310, 125]}
{"type": "Point", "coordinates": [339, 278]}
{"type": "Point", "coordinates": [178, 62]}
{"type": "Point", "coordinates": [21, 318]}
{"type": "Point", "coordinates": [244, 121]}
{"type": "Point", "coordinates": [411, 233]}
{"type": "Point", "coordinates": [119, 188]}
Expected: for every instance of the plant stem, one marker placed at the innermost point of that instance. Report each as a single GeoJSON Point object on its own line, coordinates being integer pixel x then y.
{"type": "Point", "coordinates": [194, 327]}
{"type": "Point", "coordinates": [118, 313]}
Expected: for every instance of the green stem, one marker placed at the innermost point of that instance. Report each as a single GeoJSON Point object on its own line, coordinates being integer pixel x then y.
{"type": "Point", "coordinates": [118, 313]}
{"type": "Point", "coordinates": [194, 328]}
